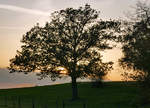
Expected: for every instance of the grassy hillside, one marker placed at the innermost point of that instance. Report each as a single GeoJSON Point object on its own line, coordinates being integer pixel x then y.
{"type": "Point", "coordinates": [113, 95]}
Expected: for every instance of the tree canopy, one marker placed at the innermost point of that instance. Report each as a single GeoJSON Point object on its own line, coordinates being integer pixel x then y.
{"type": "Point", "coordinates": [72, 39]}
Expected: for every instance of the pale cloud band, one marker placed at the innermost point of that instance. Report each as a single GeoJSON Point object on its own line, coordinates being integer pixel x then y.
{"type": "Point", "coordinates": [12, 28]}
{"type": "Point", "coordinates": [24, 10]}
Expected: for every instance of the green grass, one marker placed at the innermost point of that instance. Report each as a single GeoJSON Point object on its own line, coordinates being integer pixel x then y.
{"type": "Point", "coordinates": [113, 95]}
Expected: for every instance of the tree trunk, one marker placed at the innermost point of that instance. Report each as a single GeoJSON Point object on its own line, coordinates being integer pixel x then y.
{"type": "Point", "coordinates": [74, 89]}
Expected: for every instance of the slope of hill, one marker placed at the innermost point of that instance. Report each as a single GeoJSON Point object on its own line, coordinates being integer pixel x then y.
{"type": "Point", "coordinates": [113, 95]}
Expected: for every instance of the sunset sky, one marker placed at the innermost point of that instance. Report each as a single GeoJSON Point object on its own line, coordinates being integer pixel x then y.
{"type": "Point", "coordinates": [18, 16]}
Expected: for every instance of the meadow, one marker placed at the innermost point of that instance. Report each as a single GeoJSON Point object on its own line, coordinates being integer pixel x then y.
{"type": "Point", "coordinates": [112, 95]}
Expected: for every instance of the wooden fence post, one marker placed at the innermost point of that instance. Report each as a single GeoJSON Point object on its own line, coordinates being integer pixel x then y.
{"type": "Point", "coordinates": [84, 105]}
{"type": "Point", "coordinates": [33, 104]}
{"type": "Point", "coordinates": [13, 102]}
{"type": "Point", "coordinates": [19, 102]}
{"type": "Point", "coordinates": [56, 103]}
{"type": "Point", "coordinates": [63, 103]}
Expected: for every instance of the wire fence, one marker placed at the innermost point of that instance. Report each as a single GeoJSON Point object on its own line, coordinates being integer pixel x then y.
{"type": "Point", "coordinates": [42, 102]}
{"type": "Point", "coordinates": [49, 102]}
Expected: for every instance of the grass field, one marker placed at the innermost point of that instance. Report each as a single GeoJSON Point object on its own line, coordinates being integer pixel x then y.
{"type": "Point", "coordinates": [113, 95]}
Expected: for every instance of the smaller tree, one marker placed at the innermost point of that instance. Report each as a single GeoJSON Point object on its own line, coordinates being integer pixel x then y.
{"type": "Point", "coordinates": [136, 49]}
{"type": "Point", "coordinates": [99, 70]}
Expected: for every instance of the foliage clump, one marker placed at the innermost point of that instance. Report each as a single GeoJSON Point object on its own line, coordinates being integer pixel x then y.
{"type": "Point", "coordinates": [136, 50]}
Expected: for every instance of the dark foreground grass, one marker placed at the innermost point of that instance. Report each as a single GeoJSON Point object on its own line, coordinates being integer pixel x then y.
{"type": "Point", "coordinates": [113, 95]}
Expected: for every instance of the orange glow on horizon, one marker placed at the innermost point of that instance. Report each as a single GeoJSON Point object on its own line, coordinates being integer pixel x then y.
{"type": "Point", "coordinates": [12, 85]}
{"type": "Point", "coordinates": [62, 70]}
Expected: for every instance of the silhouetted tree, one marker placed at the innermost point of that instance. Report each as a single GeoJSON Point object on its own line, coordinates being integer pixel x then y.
{"type": "Point", "coordinates": [136, 47]}
{"type": "Point", "coordinates": [72, 40]}
{"type": "Point", "coordinates": [98, 71]}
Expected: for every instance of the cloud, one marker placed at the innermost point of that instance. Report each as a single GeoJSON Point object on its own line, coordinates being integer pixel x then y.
{"type": "Point", "coordinates": [13, 85]}
{"type": "Point", "coordinates": [24, 10]}
{"type": "Point", "coordinates": [12, 28]}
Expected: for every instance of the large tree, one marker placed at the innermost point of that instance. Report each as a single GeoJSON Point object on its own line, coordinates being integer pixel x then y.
{"type": "Point", "coordinates": [72, 40]}
{"type": "Point", "coordinates": [136, 47]}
